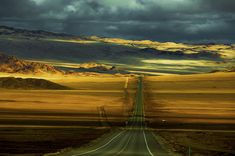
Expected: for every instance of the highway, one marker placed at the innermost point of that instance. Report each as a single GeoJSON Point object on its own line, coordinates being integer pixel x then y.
{"type": "Point", "coordinates": [133, 140]}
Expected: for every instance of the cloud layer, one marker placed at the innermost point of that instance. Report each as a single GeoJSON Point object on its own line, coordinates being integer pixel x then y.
{"type": "Point", "coordinates": [161, 20]}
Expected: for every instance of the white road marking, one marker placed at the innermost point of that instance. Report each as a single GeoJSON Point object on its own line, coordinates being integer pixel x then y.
{"type": "Point", "coordinates": [100, 146]}
{"type": "Point", "coordinates": [146, 143]}
{"type": "Point", "coordinates": [124, 146]}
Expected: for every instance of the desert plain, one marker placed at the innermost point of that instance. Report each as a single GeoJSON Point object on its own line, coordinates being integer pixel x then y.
{"type": "Point", "coordinates": [182, 110]}
{"type": "Point", "coordinates": [193, 113]}
{"type": "Point", "coordinates": [35, 122]}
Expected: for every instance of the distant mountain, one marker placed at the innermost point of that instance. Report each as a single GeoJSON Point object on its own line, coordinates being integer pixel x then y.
{"type": "Point", "coordinates": [133, 56]}
{"type": "Point", "coordinates": [29, 83]}
{"type": "Point", "coordinates": [181, 54]}
{"type": "Point", "coordinates": [4, 30]}
{"type": "Point", "coordinates": [95, 67]}
{"type": "Point", "coordinates": [11, 64]}
{"type": "Point", "coordinates": [230, 69]}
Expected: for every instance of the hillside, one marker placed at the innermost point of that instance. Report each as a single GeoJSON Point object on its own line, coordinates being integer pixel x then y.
{"type": "Point", "coordinates": [29, 83]}
{"type": "Point", "coordinates": [203, 50]}
{"type": "Point", "coordinates": [11, 64]}
{"type": "Point", "coordinates": [9, 31]}
{"type": "Point", "coordinates": [90, 67]}
{"type": "Point", "coordinates": [146, 57]}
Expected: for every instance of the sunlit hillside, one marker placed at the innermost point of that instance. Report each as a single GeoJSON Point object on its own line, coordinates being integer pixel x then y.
{"type": "Point", "coordinates": [128, 56]}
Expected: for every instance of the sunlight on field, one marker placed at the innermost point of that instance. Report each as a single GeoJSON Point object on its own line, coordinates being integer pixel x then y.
{"type": "Point", "coordinates": [72, 41]}
{"type": "Point", "coordinates": [57, 63]}
{"type": "Point", "coordinates": [57, 100]}
{"type": "Point", "coordinates": [181, 62]}
{"type": "Point", "coordinates": [226, 51]}
{"type": "Point", "coordinates": [92, 95]}
{"type": "Point", "coordinates": [200, 98]}
{"type": "Point", "coordinates": [31, 119]}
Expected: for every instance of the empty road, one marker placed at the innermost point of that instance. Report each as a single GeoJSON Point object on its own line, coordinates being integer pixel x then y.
{"type": "Point", "coordinates": [134, 140]}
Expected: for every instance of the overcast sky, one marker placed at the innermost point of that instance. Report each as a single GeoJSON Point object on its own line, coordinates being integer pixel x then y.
{"type": "Point", "coordinates": [160, 20]}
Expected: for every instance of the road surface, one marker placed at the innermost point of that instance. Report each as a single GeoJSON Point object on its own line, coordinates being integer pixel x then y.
{"type": "Point", "coordinates": [134, 140]}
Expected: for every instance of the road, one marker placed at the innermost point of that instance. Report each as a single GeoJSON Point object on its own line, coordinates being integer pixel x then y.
{"type": "Point", "coordinates": [134, 140]}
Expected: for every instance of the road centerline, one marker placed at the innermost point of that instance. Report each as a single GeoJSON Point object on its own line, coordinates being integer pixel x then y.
{"type": "Point", "coordinates": [94, 150]}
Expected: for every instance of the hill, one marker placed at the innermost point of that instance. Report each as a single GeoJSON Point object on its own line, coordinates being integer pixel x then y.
{"type": "Point", "coordinates": [29, 83]}
{"type": "Point", "coordinates": [9, 31]}
{"type": "Point", "coordinates": [11, 64]}
{"type": "Point", "coordinates": [135, 56]}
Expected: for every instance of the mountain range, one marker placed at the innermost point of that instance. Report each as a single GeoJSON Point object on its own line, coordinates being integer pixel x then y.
{"type": "Point", "coordinates": [130, 56]}
{"type": "Point", "coordinates": [29, 83]}
{"type": "Point", "coordinates": [11, 64]}
{"type": "Point", "coordinates": [9, 31]}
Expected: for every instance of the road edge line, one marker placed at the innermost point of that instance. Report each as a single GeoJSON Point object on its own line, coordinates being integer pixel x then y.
{"type": "Point", "coordinates": [146, 143]}
{"type": "Point", "coordinates": [100, 146]}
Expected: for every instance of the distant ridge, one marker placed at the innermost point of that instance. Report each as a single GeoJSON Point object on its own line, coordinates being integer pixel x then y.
{"type": "Point", "coordinates": [29, 83]}
{"type": "Point", "coordinates": [11, 64]}
{"type": "Point", "coordinates": [130, 56]}
{"type": "Point", "coordinates": [5, 30]}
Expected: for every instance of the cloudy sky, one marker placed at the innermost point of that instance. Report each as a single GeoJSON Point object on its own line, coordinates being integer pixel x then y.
{"type": "Point", "coordinates": [160, 20]}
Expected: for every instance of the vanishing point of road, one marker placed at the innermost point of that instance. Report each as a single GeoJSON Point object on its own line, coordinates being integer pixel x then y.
{"type": "Point", "coordinates": [133, 140]}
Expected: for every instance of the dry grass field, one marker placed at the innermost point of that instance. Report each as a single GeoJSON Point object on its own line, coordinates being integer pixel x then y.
{"type": "Point", "coordinates": [200, 98]}
{"type": "Point", "coordinates": [196, 111]}
{"type": "Point", "coordinates": [30, 120]}
{"type": "Point", "coordinates": [200, 143]}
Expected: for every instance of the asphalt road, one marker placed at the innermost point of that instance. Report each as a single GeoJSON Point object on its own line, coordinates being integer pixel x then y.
{"type": "Point", "coordinates": [133, 140]}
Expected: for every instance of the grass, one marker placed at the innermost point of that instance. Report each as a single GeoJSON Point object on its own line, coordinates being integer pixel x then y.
{"type": "Point", "coordinates": [195, 111]}
{"type": "Point", "coordinates": [34, 122]}
{"type": "Point", "coordinates": [200, 142]}
{"type": "Point", "coordinates": [37, 141]}
{"type": "Point", "coordinates": [190, 110]}
{"type": "Point", "coordinates": [205, 99]}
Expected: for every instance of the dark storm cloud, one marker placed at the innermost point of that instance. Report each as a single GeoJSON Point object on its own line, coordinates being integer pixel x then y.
{"type": "Point", "coordinates": [163, 20]}
{"type": "Point", "coordinates": [220, 5]}
{"type": "Point", "coordinates": [16, 8]}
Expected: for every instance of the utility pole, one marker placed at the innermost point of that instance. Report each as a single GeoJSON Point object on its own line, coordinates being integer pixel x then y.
{"type": "Point", "coordinates": [126, 83]}
{"type": "Point", "coordinates": [103, 116]}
